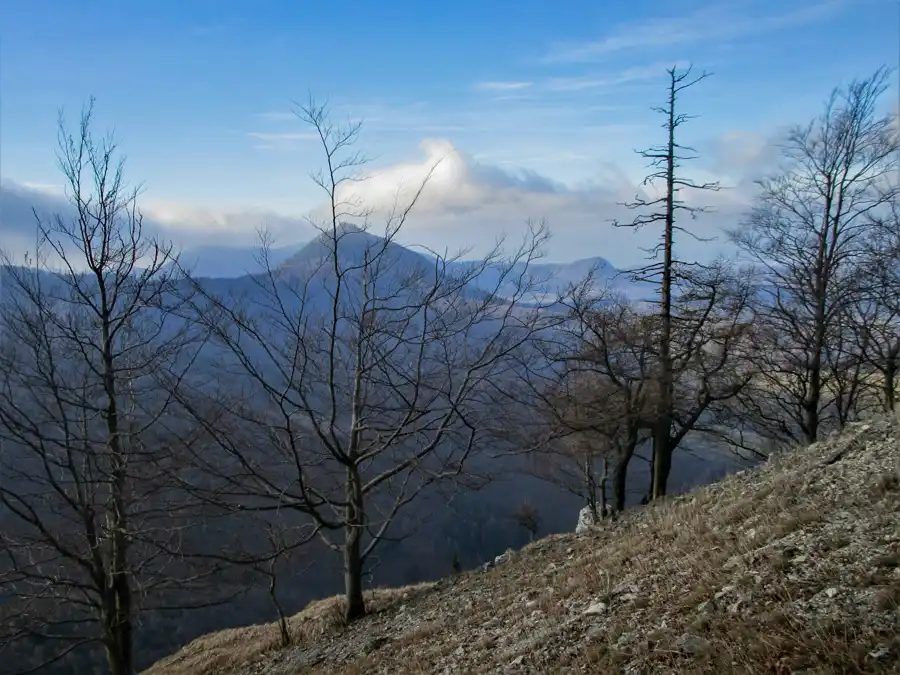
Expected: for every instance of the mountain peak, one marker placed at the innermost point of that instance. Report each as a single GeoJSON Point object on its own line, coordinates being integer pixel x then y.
{"type": "Point", "coordinates": [339, 230]}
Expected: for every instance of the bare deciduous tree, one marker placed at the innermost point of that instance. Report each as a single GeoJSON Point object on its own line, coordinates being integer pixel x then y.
{"type": "Point", "coordinates": [609, 380]}
{"type": "Point", "coordinates": [576, 454]}
{"type": "Point", "coordinates": [92, 527]}
{"type": "Point", "coordinates": [528, 518]}
{"type": "Point", "coordinates": [808, 234]}
{"type": "Point", "coordinates": [617, 354]}
{"type": "Point", "coordinates": [365, 375]}
{"type": "Point", "coordinates": [874, 315]}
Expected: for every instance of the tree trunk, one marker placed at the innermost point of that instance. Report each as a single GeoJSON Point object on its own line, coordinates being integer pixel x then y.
{"type": "Point", "coordinates": [117, 638]}
{"type": "Point", "coordinates": [662, 460]}
{"type": "Point", "coordinates": [353, 564]}
{"type": "Point", "coordinates": [590, 485]}
{"type": "Point", "coordinates": [811, 406]}
{"type": "Point", "coordinates": [282, 620]}
{"type": "Point", "coordinates": [603, 480]}
{"type": "Point", "coordinates": [620, 477]}
{"type": "Point", "coordinates": [890, 377]}
{"type": "Point", "coordinates": [120, 649]}
{"type": "Point", "coordinates": [662, 450]}
{"type": "Point", "coordinates": [116, 660]}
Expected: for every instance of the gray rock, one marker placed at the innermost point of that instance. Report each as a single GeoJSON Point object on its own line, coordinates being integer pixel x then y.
{"type": "Point", "coordinates": [880, 653]}
{"type": "Point", "coordinates": [586, 520]}
{"type": "Point", "coordinates": [693, 644]}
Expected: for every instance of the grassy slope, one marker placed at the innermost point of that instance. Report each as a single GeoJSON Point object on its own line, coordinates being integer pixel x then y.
{"type": "Point", "coordinates": [793, 567]}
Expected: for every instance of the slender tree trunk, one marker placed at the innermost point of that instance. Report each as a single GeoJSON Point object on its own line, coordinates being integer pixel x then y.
{"type": "Point", "coordinates": [353, 564]}
{"type": "Point", "coordinates": [591, 485]}
{"type": "Point", "coordinates": [273, 595]}
{"type": "Point", "coordinates": [117, 638]}
{"type": "Point", "coordinates": [662, 467]}
{"type": "Point", "coordinates": [119, 606]}
{"type": "Point", "coordinates": [814, 395]}
{"type": "Point", "coordinates": [604, 477]}
{"type": "Point", "coordinates": [822, 273]}
{"type": "Point", "coordinates": [620, 472]}
{"type": "Point", "coordinates": [889, 386]}
{"type": "Point", "coordinates": [662, 447]}
{"type": "Point", "coordinates": [619, 482]}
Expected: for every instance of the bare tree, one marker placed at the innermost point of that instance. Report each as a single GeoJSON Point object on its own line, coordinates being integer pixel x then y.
{"type": "Point", "coordinates": [808, 234]}
{"type": "Point", "coordinates": [609, 381]}
{"type": "Point", "coordinates": [576, 454]}
{"type": "Point", "coordinates": [666, 161]}
{"type": "Point", "coordinates": [618, 354]}
{"type": "Point", "coordinates": [874, 315]}
{"type": "Point", "coordinates": [711, 340]}
{"type": "Point", "coordinates": [528, 518]}
{"type": "Point", "coordinates": [362, 375]}
{"type": "Point", "coordinates": [92, 528]}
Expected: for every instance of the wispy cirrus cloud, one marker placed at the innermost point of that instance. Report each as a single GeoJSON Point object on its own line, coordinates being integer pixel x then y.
{"type": "Point", "coordinates": [597, 79]}
{"type": "Point", "coordinates": [281, 140]}
{"type": "Point", "coordinates": [503, 86]}
{"type": "Point", "coordinates": [608, 80]}
{"type": "Point", "coordinates": [721, 22]}
{"type": "Point", "coordinates": [277, 116]}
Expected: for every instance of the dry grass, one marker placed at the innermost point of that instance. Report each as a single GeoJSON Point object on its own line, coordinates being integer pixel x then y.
{"type": "Point", "coordinates": [239, 647]}
{"type": "Point", "coordinates": [793, 568]}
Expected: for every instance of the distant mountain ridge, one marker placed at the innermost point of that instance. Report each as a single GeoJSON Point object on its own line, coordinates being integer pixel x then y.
{"type": "Point", "coordinates": [224, 262]}
{"type": "Point", "coordinates": [231, 262]}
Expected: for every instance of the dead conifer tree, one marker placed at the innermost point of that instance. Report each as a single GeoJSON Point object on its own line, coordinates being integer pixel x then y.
{"type": "Point", "coordinates": [665, 209]}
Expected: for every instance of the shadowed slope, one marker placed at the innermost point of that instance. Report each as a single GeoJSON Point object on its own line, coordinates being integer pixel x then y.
{"type": "Point", "coordinates": [792, 567]}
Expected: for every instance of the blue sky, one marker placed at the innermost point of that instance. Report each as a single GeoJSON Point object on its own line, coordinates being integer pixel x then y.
{"type": "Point", "coordinates": [543, 103]}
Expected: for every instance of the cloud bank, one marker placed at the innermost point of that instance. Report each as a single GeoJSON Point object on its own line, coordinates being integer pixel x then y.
{"type": "Point", "coordinates": [465, 203]}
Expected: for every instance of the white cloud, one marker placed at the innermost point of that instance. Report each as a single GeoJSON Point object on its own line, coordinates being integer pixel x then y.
{"type": "Point", "coordinates": [191, 224]}
{"type": "Point", "coordinates": [627, 76]}
{"type": "Point", "coordinates": [470, 201]}
{"type": "Point", "coordinates": [467, 203]}
{"type": "Point", "coordinates": [46, 188]}
{"type": "Point", "coordinates": [743, 156]}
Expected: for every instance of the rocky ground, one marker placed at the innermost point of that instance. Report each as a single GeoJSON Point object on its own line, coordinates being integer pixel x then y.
{"type": "Point", "coordinates": [793, 567]}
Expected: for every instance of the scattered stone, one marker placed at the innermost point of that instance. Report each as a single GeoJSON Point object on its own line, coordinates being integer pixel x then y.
{"type": "Point", "coordinates": [693, 644]}
{"type": "Point", "coordinates": [586, 519]}
{"type": "Point", "coordinates": [375, 644]}
{"type": "Point", "coordinates": [595, 632]}
{"type": "Point", "coordinates": [722, 593]}
{"type": "Point", "coordinates": [597, 608]}
{"type": "Point", "coordinates": [880, 653]}
{"type": "Point", "coordinates": [627, 587]}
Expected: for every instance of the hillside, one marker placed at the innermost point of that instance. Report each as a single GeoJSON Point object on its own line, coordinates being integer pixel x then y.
{"type": "Point", "coordinates": [791, 567]}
